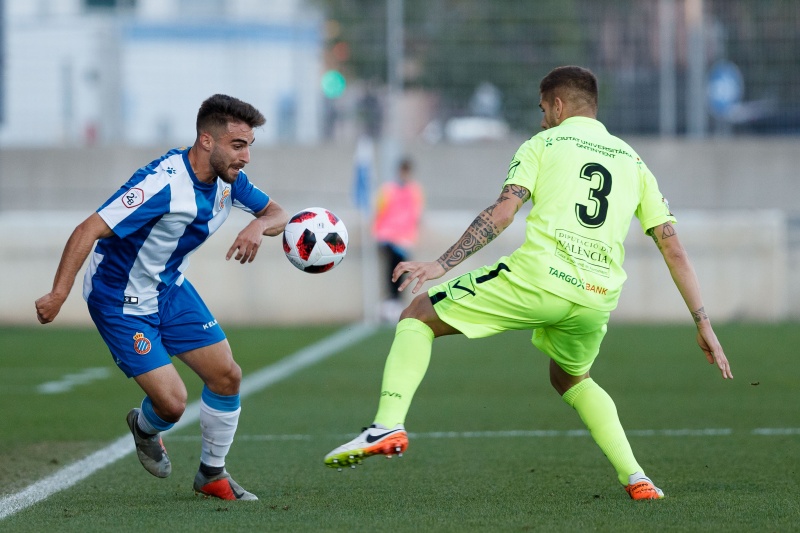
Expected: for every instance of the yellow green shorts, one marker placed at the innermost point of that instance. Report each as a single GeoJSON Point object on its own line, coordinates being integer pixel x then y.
{"type": "Point", "coordinates": [492, 299]}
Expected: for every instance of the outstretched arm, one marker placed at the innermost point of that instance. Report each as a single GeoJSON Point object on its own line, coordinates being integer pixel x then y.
{"type": "Point", "coordinates": [270, 221]}
{"type": "Point", "coordinates": [487, 225]}
{"type": "Point", "coordinates": [685, 279]}
{"type": "Point", "coordinates": [77, 249]}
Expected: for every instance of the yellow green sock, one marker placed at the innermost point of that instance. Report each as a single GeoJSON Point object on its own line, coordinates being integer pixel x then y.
{"type": "Point", "coordinates": [598, 412]}
{"type": "Point", "coordinates": [405, 367]}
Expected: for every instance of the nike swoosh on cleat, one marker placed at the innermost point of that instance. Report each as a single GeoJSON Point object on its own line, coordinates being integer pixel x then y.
{"type": "Point", "coordinates": [372, 438]}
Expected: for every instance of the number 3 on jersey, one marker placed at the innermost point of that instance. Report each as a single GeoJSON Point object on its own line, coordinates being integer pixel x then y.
{"type": "Point", "coordinates": [598, 196]}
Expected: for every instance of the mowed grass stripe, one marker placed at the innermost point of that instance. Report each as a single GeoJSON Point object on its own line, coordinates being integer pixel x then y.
{"type": "Point", "coordinates": [72, 474]}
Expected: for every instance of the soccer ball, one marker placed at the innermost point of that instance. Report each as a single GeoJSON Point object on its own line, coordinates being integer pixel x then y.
{"type": "Point", "coordinates": [315, 240]}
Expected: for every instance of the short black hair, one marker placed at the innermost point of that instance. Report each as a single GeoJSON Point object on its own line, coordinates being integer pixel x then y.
{"type": "Point", "coordinates": [573, 83]}
{"type": "Point", "coordinates": [406, 164]}
{"type": "Point", "coordinates": [217, 111]}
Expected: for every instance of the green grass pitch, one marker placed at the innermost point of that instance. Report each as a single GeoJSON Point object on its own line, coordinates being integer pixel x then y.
{"type": "Point", "coordinates": [492, 448]}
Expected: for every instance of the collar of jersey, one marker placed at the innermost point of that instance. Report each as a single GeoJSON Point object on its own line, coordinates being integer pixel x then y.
{"type": "Point", "coordinates": [583, 120]}
{"type": "Point", "coordinates": [197, 182]}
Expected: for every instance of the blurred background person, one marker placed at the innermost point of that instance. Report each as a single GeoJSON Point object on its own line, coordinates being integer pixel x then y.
{"type": "Point", "coordinates": [396, 226]}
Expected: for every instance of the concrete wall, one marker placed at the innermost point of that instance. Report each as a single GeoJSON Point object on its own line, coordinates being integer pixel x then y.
{"type": "Point", "coordinates": [739, 173]}
{"type": "Point", "coordinates": [735, 202]}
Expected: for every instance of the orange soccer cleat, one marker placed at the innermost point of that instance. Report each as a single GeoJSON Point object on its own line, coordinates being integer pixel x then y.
{"type": "Point", "coordinates": [641, 488]}
{"type": "Point", "coordinates": [221, 486]}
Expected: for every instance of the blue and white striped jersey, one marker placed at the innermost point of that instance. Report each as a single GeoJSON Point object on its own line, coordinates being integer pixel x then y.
{"type": "Point", "coordinates": [159, 218]}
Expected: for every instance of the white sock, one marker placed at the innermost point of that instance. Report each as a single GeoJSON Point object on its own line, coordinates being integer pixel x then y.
{"type": "Point", "coordinates": [218, 429]}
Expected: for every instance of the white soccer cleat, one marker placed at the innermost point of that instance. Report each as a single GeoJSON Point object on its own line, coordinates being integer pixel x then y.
{"type": "Point", "coordinates": [376, 439]}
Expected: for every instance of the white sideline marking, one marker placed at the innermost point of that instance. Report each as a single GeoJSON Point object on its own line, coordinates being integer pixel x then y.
{"type": "Point", "coordinates": [535, 433]}
{"type": "Point", "coordinates": [67, 382]}
{"type": "Point", "coordinates": [776, 431]}
{"type": "Point", "coordinates": [261, 379]}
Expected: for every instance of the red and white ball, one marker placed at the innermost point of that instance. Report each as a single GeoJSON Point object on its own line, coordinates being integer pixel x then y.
{"type": "Point", "coordinates": [315, 240]}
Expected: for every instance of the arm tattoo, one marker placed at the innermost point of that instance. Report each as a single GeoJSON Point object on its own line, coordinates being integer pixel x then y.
{"type": "Point", "coordinates": [482, 231]}
{"type": "Point", "coordinates": [699, 315]}
{"type": "Point", "coordinates": [667, 232]}
{"type": "Point", "coordinates": [520, 192]}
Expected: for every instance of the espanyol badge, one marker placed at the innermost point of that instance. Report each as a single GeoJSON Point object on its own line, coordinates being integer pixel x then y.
{"type": "Point", "coordinates": [141, 344]}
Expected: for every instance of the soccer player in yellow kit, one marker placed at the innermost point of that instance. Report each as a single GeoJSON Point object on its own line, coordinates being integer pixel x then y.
{"type": "Point", "coordinates": [562, 283]}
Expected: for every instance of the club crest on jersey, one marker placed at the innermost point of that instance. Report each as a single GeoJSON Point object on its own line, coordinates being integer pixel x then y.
{"type": "Point", "coordinates": [225, 193]}
{"type": "Point", "coordinates": [133, 198]}
{"type": "Point", "coordinates": [141, 344]}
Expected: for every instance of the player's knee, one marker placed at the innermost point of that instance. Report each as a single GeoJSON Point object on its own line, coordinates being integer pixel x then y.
{"type": "Point", "coordinates": [422, 309]}
{"type": "Point", "coordinates": [557, 384]}
{"type": "Point", "coordinates": [556, 379]}
{"type": "Point", "coordinates": [561, 380]}
{"type": "Point", "coordinates": [419, 308]}
{"type": "Point", "coordinates": [234, 377]}
{"type": "Point", "coordinates": [227, 382]}
{"type": "Point", "coordinates": [171, 409]}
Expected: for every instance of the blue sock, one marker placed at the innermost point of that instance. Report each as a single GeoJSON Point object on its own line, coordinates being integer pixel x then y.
{"type": "Point", "coordinates": [150, 423]}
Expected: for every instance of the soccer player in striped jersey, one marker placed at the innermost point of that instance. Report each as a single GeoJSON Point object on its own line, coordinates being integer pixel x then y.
{"type": "Point", "coordinates": [143, 306]}
{"type": "Point", "coordinates": [562, 283]}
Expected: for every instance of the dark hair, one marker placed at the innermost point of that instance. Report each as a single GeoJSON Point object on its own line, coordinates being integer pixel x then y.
{"type": "Point", "coordinates": [573, 83]}
{"type": "Point", "coordinates": [406, 165]}
{"type": "Point", "coordinates": [217, 111]}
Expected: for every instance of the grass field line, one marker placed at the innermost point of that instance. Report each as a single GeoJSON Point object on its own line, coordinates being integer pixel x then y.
{"type": "Point", "coordinates": [255, 382]}
{"type": "Point", "coordinates": [521, 433]}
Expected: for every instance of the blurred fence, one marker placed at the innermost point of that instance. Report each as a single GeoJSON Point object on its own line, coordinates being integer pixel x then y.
{"type": "Point", "coordinates": [72, 74]}
{"type": "Point", "coordinates": [696, 67]}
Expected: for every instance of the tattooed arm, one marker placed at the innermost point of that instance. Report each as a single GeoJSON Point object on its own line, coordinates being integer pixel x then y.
{"type": "Point", "coordinates": [485, 228]}
{"type": "Point", "coordinates": [685, 279]}
{"type": "Point", "coordinates": [487, 225]}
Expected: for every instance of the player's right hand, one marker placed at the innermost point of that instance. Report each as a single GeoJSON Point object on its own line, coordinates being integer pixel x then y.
{"type": "Point", "coordinates": [707, 340]}
{"type": "Point", "coordinates": [47, 307]}
{"type": "Point", "coordinates": [421, 271]}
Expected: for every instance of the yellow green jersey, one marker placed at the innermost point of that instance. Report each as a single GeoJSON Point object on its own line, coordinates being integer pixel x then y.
{"type": "Point", "coordinates": [585, 185]}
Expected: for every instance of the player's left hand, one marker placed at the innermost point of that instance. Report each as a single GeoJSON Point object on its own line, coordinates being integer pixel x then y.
{"type": "Point", "coordinates": [246, 244]}
{"type": "Point", "coordinates": [421, 271]}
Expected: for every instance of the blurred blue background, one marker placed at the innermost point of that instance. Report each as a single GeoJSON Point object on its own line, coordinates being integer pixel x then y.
{"type": "Point", "coordinates": [705, 90]}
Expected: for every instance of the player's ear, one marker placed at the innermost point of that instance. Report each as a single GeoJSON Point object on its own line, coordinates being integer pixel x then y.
{"type": "Point", "coordinates": [558, 107]}
{"type": "Point", "coordinates": [206, 140]}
